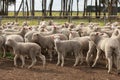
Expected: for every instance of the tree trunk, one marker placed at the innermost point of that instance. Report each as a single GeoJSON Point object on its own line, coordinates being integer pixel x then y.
{"type": "Point", "coordinates": [99, 8]}
{"type": "Point", "coordinates": [85, 7]}
{"type": "Point", "coordinates": [61, 8]}
{"type": "Point", "coordinates": [77, 7]}
{"type": "Point", "coordinates": [64, 7]}
{"type": "Point", "coordinates": [0, 7]}
{"type": "Point", "coordinates": [50, 7]}
{"type": "Point", "coordinates": [27, 8]}
{"type": "Point", "coordinates": [23, 8]}
{"type": "Point", "coordinates": [19, 8]}
{"type": "Point", "coordinates": [71, 7]}
{"type": "Point", "coordinates": [33, 11]}
{"type": "Point", "coordinates": [30, 7]}
{"type": "Point", "coordinates": [15, 8]}
{"type": "Point", "coordinates": [96, 9]}
{"type": "Point", "coordinates": [44, 7]}
{"type": "Point", "coordinates": [3, 6]}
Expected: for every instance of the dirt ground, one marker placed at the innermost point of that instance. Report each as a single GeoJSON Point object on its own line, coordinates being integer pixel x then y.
{"type": "Point", "coordinates": [53, 72]}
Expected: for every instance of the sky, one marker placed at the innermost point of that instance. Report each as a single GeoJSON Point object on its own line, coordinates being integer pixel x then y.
{"type": "Point", "coordinates": [56, 5]}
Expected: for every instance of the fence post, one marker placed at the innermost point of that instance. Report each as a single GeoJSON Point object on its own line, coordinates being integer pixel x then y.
{"type": "Point", "coordinates": [0, 20]}
{"type": "Point", "coordinates": [39, 20]}
{"type": "Point", "coordinates": [70, 19]}
{"type": "Point", "coordinates": [104, 18]}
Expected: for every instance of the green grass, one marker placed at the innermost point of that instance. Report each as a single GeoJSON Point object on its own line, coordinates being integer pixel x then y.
{"type": "Point", "coordinates": [8, 55]}
{"type": "Point", "coordinates": [55, 13]}
{"type": "Point", "coordinates": [38, 13]}
{"type": "Point", "coordinates": [59, 21]}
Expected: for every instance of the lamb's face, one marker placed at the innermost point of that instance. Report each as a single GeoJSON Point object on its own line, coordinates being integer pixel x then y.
{"type": "Point", "coordinates": [24, 30]}
{"type": "Point", "coordinates": [93, 36]}
{"type": "Point", "coordinates": [8, 42]}
{"type": "Point", "coordinates": [56, 38]}
{"type": "Point", "coordinates": [35, 37]}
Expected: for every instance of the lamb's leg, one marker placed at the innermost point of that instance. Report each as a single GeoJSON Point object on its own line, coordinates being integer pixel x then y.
{"type": "Point", "coordinates": [4, 53]}
{"type": "Point", "coordinates": [118, 64]}
{"type": "Point", "coordinates": [76, 61]}
{"type": "Point", "coordinates": [59, 56]}
{"type": "Point", "coordinates": [62, 57]}
{"type": "Point", "coordinates": [50, 54]}
{"type": "Point", "coordinates": [23, 60]}
{"type": "Point", "coordinates": [109, 64]}
{"type": "Point", "coordinates": [90, 52]}
{"type": "Point", "coordinates": [81, 58]}
{"type": "Point", "coordinates": [97, 57]}
{"type": "Point", "coordinates": [15, 60]}
{"type": "Point", "coordinates": [33, 61]}
{"type": "Point", "coordinates": [43, 59]}
{"type": "Point", "coordinates": [87, 58]}
{"type": "Point", "coordinates": [106, 64]}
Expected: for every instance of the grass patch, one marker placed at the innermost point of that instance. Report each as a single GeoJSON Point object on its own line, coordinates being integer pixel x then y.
{"type": "Point", "coordinates": [59, 21]}
{"type": "Point", "coordinates": [55, 13]}
{"type": "Point", "coordinates": [8, 55]}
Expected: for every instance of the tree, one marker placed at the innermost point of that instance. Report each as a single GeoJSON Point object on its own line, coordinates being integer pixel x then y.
{"type": "Point", "coordinates": [50, 7]}
{"type": "Point", "coordinates": [4, 7]}
{"type": "Point", "coordinates": [33, 10]}
{"type": "Point", "coordinates": [77, 7]}
{"type": "Point", "coordinates": [27, 8]}
{"type": "Point", "coordinates": [19, 7]}
{"type": "Point", "coordinates": [44, 2]}
{"type": "Point", "coordinates": [85, 8]}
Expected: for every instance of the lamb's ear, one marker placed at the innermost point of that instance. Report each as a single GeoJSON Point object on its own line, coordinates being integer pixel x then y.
{"type": "Point", "coordinates": [101, 34]}
{"type": "Point", "coordinates": [52, 37]}
{"type": "Point", "coordinates": [9, 39]}
{"type": "Point", "coordinates": [30, 28]}
{"type": "Point", "coordinates": [97, 33]}
{"type": "Point", "coordinates": [36, 34]}
{"type": "Point", "coordinates": [71, 32]}
{"type": "Point", "coordinates": [54, 26]}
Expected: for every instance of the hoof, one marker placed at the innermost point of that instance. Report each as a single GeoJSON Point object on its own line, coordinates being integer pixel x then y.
{"type": "Point", "coordinates": [16, 65]}
{"type": "Point", "coordinates": [81, 63]}
{"type": "Point", "coordinates": [57, 64]}
{"type": "Point", "coordinates": [74, 65]}
{"type": "Point", "coordinates": [4, 56]}
{"type": "Point", "coordinates": [62, 65]}
{"type": "Point", "coordinates": [50, 60]}
{"type": "Point", "coordinates": [109, 72]}
{"type": "Point", "coordinates": [22, 66]}
{"type": "Point", "coordinates": [93, 66]}
{"type": "Point", "coordinates": [118, 72]}
{"type": "Point", "coordinates": [29, 67]}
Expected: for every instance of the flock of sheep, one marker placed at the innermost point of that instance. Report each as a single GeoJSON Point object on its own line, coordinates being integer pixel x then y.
{"type": "Point", "coordinates": [85, 42]}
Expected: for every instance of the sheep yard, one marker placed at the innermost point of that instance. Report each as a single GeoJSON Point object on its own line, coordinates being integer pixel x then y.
{"type": "Point", "coordinates": [59, 39]}
{"type": "Point", "coordinates": [53, 72]}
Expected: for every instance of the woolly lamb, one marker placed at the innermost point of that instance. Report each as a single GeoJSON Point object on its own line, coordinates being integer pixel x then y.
{"type": "Point", "coordinates": [111, 48]}
{"type": "Point", "coordinates": [47, 42]}
{"type": "Point", "coordinates": [67, 46]}
{"type": "Point", "coordinates": [26, 49]}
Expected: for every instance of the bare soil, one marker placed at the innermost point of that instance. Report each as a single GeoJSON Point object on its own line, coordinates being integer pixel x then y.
{"type": "Point", "coordinates": [53, 72]}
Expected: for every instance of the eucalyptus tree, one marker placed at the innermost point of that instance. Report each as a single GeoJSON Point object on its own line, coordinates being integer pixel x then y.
{"type": "Point", "coordinates": [50, 7]}
{"type": "Point", "coordinates": [77, 7]}
{"type": "Point", "coordinates": [44, 6]}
